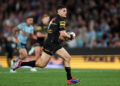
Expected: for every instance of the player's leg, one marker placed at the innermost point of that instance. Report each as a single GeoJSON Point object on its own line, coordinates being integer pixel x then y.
{"type": "Point", "coordinates": [43, 60]}
{"type": "Point", "coordinates": [40, 62]}
{"type": "Point", "coordinates": [22, 55]}
{"type": "Point", "coordinates": [66, 57]}
{"type": "Point", "coordinates": [22, 52]}
{"type": "Point", "coordinates": [9, 58]}
{"type": "Point", "coordinates": [38, 51]}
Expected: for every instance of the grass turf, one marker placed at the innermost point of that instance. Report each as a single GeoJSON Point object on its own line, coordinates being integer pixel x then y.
{"type": "Point", "coordinates": [57, 77]}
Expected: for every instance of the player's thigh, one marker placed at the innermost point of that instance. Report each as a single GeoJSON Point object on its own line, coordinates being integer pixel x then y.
{"type": "Point", "coordinates": [37, 50]}
{"type": "Point", "coordinates": [43, 60]}
{"type": "Point", "coordinates": [23, 52]}
{"type": "Point", "coordinates": [63, 54]}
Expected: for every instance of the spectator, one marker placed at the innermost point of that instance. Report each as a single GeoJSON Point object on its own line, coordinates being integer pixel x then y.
{"type": "Point", "coordinates": [9, 48]}
{"type": "Point", "coordinates": [82, 37]}
{"type": "Point", "coordinates": [91, 20]}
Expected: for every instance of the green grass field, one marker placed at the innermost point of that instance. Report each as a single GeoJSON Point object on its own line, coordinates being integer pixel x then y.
{"type": "Point", "coordinates": [57, 77]}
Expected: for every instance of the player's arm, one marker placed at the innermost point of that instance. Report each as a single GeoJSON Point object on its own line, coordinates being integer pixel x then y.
{"type": "Point", "coordinates": [63, 33]}
{"type": "Point", "coordinates": [38, 32]}
{"type": "Point", "coordinates": [32, 35]}
{"type": "Point", "coordinates": [15, 30]}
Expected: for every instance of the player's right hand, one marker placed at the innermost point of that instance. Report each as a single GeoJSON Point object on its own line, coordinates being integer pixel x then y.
{"type": "Point", "coordinates": [72, 35]}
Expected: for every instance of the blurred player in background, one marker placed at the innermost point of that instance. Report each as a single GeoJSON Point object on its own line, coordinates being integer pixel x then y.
{"type": "Point", "coordinates": [21, 34]}
{"type": "Point", "coordinates": [41, 34]}
{"type": "Point", "coordinates": [10, 45]}
{"type": "Point", "coordinates": [53, 45]}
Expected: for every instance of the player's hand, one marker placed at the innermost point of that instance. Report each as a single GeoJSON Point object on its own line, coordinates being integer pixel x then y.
{"type": "Point", "coordinates": [72, 35]}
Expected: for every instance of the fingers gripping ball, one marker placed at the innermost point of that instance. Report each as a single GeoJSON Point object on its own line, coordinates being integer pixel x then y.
{"type": "Point", "coordinates": [72, 36]}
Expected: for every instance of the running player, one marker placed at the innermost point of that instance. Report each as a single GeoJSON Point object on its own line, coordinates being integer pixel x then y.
{"type": "Point", "coordinates": [53, 45]}
{"type": "Point", "coordinates": [21, 34]}
{"type": "Point", "coordinates": [41, 34]}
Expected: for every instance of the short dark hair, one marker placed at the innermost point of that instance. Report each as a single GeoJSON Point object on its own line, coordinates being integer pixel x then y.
{"type": "Point", "coordinates": [45, 15]}
{"type": "Point", "coordinates": [60, 7]}
{"type": "Point", "coordinates": [29, 17]}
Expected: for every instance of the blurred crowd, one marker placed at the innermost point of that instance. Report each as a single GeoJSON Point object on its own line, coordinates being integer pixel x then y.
{"type": "Point", "coordinates": [95, 22]}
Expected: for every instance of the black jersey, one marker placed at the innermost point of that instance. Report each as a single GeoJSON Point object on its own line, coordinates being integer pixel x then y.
{"type": "Point", "coordinates": [42, 29]}
{"type": "Point", "coordinates": [53, 43]}
{"type": "Point", "coordinates": [56, 24]}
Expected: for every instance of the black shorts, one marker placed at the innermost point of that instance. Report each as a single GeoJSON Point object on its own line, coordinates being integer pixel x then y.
{"type": "Point", "coordinates": [38, 42]}
{"type": "Point", "coordinates": [51, 47]}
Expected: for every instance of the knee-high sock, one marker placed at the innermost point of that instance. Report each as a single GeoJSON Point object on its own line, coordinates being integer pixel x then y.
{"type": "Point", "coordinates": [68, 72]}
{"type": "Point", "coordinates": [31, 63]}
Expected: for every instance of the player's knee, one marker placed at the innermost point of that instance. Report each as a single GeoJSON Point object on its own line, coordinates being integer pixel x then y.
{"type": "Point", "coordinates": [40, 65]}
{"type": "Point", "coordinates": [68, 58]}
{"type": "Point", "coordinates": [37, 64]}
{"type": "Point", "coordinates": [25, 55]}
{"type": "Point", "coordinates": [37, 53]}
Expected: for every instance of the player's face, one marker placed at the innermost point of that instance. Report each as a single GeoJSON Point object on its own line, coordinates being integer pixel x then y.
{"type": "Point", "coordinates": [46, 20]}
{"type": "Point", "coordinates": [29, 21]}
{"type": "Point", "coordinates": [63, 12]}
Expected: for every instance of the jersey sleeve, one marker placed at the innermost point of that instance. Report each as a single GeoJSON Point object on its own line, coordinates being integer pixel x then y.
{"type": "Point", "coordinates": [62, 24]}
{"type": "Point", "coordinates": [39, 28]}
